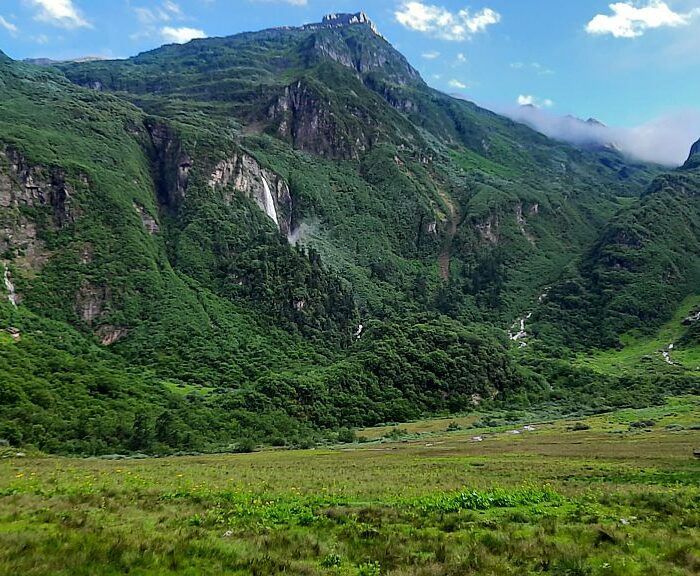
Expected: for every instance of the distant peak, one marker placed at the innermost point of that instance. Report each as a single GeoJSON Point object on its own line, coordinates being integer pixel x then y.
{"type": "Point", "coordinates": [693, 161]}
{"type": "Point", "coordinates": [595, 122]}
{"type": "Point", "coordinates": [695, 149]}
{"type": "Point", "coordinates": [334, 20]}
{"type": "Point", "coordinates": [346, 19]}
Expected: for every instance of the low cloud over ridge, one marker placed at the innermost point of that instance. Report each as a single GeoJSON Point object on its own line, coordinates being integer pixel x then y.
{"type": "Point", "coordinates": [664, 140]}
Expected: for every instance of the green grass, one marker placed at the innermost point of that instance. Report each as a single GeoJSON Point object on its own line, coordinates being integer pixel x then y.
{"type": "Point", "coordinates": [549, 501]}
{"type": "Point", "coordinates": [642, 351]}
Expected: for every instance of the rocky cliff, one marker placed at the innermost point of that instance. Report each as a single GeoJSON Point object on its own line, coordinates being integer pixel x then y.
{"type": "Point", "coordinates": [32, 197]}
{"type": "Point", "coordinates": [242, 173]}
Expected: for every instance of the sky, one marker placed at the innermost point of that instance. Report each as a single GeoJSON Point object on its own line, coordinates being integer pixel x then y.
{"type": "Point", "coordinates": [631, 64]}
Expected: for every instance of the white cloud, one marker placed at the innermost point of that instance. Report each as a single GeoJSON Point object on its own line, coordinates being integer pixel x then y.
{"type": "Point", "coordinates": [61, 13]}
{"type": "Point", "coordinates": [538, 68]}
{"type": "Point", "coordinates": [632, 19]}
{"type": "Point", "coordinates": [431, 55]}
{"type": "Point", "coordinates": [441, 23]}
{"type": "Point", "coordinates": [173, 8]}
{"type": "Point", "coordinates": [9, 26]}
{"type": "Point", "coordinates": [290, 2]}
{"type": "Point", "coordinates": [457, 84]}
{"type": "Point", "coordinates": [461, 58]}
{"type": "Point", "coordinates": [180, 35]}
{"type": "Point", "coordinates": [166, 12]}
{"type": "Point", "coordinates": [529, 100]}
{"type": "Point", "coordinates": [665, 140]}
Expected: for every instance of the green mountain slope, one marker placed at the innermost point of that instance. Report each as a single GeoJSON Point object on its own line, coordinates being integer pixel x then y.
{"type": "Point", "coordinates": [449, 191]}
{"type": "Point", "coordinates": [277, 234]}
{"type": "Point", "coordinates": [645, 264]}
{"type": "Point", "coordinates": [141, 295]}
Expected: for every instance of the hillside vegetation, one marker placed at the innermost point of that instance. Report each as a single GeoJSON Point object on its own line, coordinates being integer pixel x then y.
{"type": "Point", "coordinates": [275, 236]}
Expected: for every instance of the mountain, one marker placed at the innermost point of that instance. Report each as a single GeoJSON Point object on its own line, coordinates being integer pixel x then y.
{"type": "Point", "coordinates": [694, 157]}
{"type": "Point", "coordinates": [50, 62]}
{"type": "Point", "coordinates": [441, 180]}
{"type": "Point", "coordinates": [273, 235]}
{"type": "Point", "coordinates": [663, 141]}
{"type": "Point", "coordinates": [636, 276]}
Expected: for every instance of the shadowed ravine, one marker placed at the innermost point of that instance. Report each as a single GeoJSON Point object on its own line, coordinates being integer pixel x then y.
{"type": "Point", "coordinates": [446, 252]}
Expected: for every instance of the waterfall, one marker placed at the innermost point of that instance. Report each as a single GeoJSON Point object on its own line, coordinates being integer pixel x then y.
{"type": "Point", "coordinates": [269, 203]}
{"type": "Point", "coordinates": [11, 294]}
{"type": "Point", "coordinates": [518, 332]}
{"type": "Point", "coordinates": [667, 355]}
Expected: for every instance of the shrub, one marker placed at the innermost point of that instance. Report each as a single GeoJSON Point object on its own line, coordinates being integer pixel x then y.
{"type": "Point", "coordinates": [579, 427]}
{"type": "Point", "coordinates": [643, 424]}
{"type": "Point", "coordinates": [245, 446]}
{"type": "Point", "coordinates": [346, 436]}
{"type": "Point", "coordinates": [370, 569]}
{"type": "Point", "coordinates": [332, 561]}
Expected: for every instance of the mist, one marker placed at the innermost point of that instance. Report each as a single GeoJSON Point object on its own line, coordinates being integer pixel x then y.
{"type": "Point", "coordinates": [665, 140]}
{"type": "Point", "coordinates": [303, 232]}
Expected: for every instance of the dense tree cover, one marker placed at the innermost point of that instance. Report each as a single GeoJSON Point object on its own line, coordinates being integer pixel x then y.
{"type": "Point", "coordinates": [62, 393]}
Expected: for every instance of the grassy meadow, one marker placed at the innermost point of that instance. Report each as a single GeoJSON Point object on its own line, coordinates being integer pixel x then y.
{"type": "Point", "coordinates": [613, 494]}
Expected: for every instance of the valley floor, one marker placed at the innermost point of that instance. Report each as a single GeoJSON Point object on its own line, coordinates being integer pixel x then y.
{"type": "Point", "coordinates": [615, 494]}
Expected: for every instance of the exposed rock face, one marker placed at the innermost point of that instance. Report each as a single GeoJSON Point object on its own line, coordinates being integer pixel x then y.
{"type": "Point", "coordinates": [90, 301]}
{"type": "Point", "coordinates": [269, 190]}
{"type": "Point", "coordinates": [488, 229]}
{"type": "Point", "coordinates": [341, 20]}
{"type": "Point", "coordinates": [692, 318]}
{"type": "Point", "coordinates": [149, 222]}
{"type": "Point", "coordinates": [171, 164]}
{"type": "Point", "coordinates": [520, 218]}
{"type": "Point", "coordinates": [109, 335]}
{"type": "Point", "coordinates": [362, 57]}
{"type": "Point", "coordinates": [303, 118]}
{"type": "Point", "coordinates": [23, 185]}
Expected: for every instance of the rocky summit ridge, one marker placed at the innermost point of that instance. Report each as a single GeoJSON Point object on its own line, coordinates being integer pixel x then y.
{"type": "Point", "coordinates": [341, 20]}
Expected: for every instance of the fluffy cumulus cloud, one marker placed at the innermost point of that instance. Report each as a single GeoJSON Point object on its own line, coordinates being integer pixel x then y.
{"type": "Point", "coordinates": [9, 26]}
{"type": "Point", "coordinates": [180, 35]}
{"type": "Point", "coordinates": [632, 19]}
{"type": "Point", "coordinates": [442, 23]}
{"type": "Point", "coordinates": [61, 13]}
{"type": "Point", "coordinates": [533, 101]}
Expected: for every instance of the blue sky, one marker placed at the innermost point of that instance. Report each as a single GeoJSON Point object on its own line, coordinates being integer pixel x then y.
{"type": "Point", "coordinates": [625, 63]}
